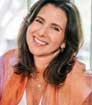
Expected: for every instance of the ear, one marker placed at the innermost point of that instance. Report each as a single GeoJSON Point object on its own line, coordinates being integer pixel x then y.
{"type": "Point", "coordinates": [62, 45]}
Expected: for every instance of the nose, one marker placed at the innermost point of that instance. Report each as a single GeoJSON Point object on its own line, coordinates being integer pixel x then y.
{"type": "Point", "coordinates": [42, 31]}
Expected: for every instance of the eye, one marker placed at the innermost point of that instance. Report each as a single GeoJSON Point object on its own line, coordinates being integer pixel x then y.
{"type": "Point", "coordinates": [39, 21]}
{"type": "Point", "coordinates": [56, 29]}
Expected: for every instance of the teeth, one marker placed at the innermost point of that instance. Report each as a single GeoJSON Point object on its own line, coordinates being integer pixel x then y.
{"type": "Point", "coordinates": [39, 41]}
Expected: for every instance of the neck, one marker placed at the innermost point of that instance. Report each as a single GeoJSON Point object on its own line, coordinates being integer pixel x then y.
{"type": "Point", "coordinates": [41, 62]}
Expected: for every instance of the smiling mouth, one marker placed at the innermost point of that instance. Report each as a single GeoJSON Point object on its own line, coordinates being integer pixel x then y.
{"type": "Point", "coordinates": [39, 42]}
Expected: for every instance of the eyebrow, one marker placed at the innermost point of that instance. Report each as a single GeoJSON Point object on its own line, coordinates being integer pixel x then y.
{"type": "Point", "coordinates": [40, 18]}
{"type": "Point", "coordinates": [54, 24]}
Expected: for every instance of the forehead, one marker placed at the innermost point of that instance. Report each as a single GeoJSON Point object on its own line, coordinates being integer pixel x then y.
{"type": "Point", "coordinates": [53, 13]}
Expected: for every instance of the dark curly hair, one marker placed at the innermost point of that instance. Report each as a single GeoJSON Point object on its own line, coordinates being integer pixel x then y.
{"type": "Point", "coordinates": [62, 64]}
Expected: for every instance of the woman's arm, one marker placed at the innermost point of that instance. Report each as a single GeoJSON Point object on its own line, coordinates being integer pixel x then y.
{"type": "Point", "coordinates": [1, 76]}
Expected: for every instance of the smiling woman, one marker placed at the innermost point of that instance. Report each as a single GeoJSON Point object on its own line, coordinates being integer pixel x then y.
{"type": "Point", "coordinates": [44, 70]}
{"type": "Point", "coordinates": [46, 34]}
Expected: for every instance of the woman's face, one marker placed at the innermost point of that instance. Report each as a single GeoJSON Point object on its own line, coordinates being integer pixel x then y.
{"type": "Point", "coordinates": [46, 33]}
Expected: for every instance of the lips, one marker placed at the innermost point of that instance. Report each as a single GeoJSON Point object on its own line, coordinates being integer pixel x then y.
{"type": "Point", "coordinates": [39, 42]}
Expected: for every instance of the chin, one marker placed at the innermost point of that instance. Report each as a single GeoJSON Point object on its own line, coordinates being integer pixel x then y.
{"type": "Point", "coordinates": [37, 53]}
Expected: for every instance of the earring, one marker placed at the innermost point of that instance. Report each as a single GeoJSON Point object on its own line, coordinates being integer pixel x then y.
{"type": "Point", "coordinates": [62, 47]}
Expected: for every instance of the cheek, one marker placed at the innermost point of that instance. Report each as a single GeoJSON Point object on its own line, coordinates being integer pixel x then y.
{"type": "Point", "coordinates": [59, 39]}
{"type": "Point", "coordinates": [31, 28]}
{"type": "Point", "coordinates": [29, 31]}
{"type": "Point", "coordinates": [28, 35]}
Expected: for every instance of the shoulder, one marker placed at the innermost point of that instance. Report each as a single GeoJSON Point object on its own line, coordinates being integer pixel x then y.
{"type": "Point", "coordinates": [82, 82]}
{"type": "Point", "coordinates": [78, 67]}
{"type": "Point", "coordinates": [79, 73]}
{"type": "Point", "coordinates": [9, 59]}
{"type": "Point", "coordinates": [76, 87]}
{"type": "Point", "coordinates": [9, 54]}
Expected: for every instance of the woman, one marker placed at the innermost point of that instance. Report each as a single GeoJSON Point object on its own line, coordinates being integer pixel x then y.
{"type": "Point", "coordinates": [46, 71]}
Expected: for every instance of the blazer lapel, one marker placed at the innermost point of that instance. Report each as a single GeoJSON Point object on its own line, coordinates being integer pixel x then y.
{"type": "Point", "coordinates": [14, 90]}
{"type": "Point", "coordinates": [75, 89]}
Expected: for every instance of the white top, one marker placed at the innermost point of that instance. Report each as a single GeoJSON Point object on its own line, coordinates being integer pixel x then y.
{"type": "Point", "coordinates": [23, 100]}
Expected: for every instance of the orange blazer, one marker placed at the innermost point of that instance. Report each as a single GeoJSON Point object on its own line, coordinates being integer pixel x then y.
{"type": "Point", "coordinates": [75, 90]}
